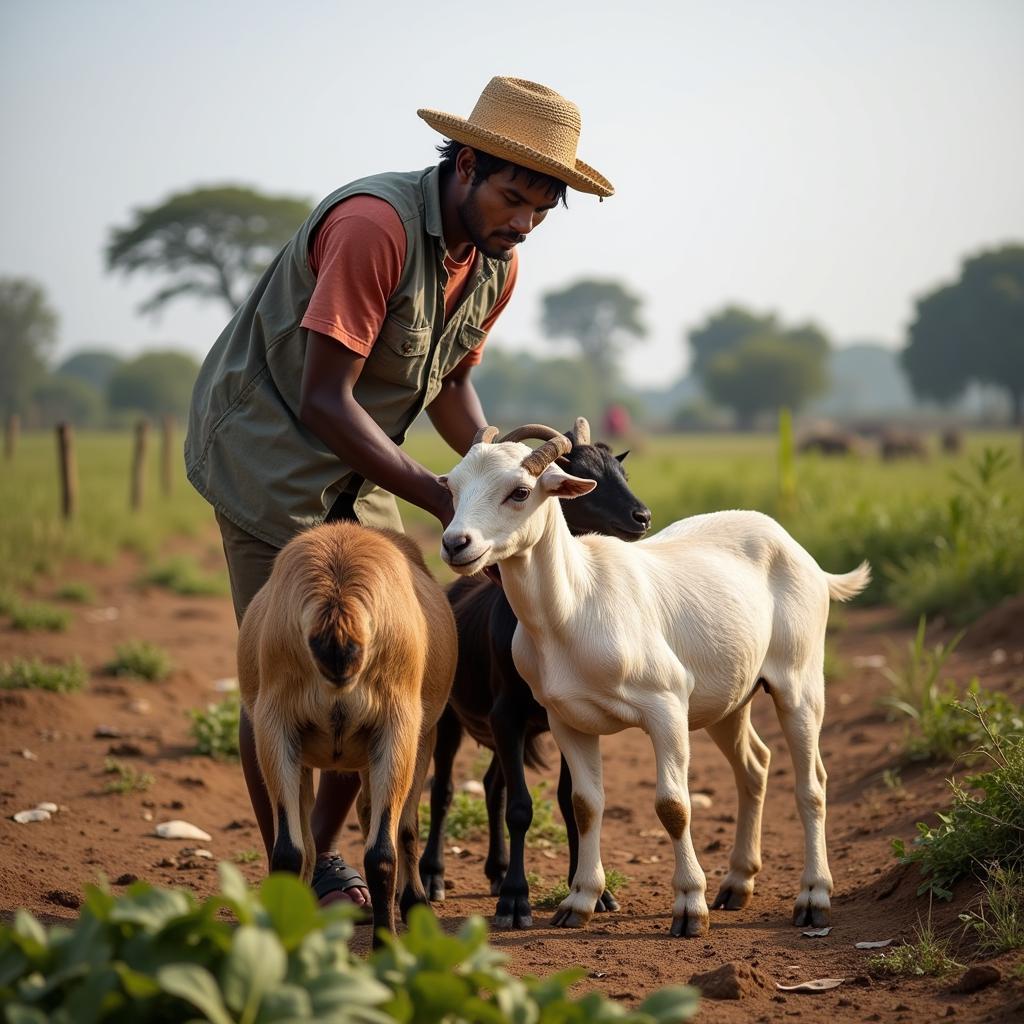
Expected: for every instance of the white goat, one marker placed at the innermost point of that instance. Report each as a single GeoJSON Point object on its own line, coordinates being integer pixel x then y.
{"type": "Point", "coordinates": [669, 634]}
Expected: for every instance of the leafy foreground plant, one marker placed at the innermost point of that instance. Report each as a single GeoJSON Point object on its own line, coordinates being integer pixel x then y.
{"type": "Point", "coordinates": [155, 954]}
{"type": "Point", "coordinates": [215, 730]}
{"type": "Point", "coordinates": [975, 833]}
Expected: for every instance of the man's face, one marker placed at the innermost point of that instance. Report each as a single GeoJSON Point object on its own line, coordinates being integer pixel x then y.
{"type": "Point", "coordinates": [499, 212]}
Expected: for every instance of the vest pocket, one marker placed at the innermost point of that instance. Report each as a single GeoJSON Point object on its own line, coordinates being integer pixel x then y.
{"type": "Point", "coordinates": [399, 354]}
{"type": "Point", "coordinates": [468, 338]}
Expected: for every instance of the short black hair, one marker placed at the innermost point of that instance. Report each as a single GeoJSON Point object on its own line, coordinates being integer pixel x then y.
{"type": "Point", "coordinates": [487, 164]}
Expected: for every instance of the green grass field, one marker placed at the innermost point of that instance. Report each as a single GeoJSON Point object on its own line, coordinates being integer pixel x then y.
{"type": "Point", "coordinates": [942, 535]}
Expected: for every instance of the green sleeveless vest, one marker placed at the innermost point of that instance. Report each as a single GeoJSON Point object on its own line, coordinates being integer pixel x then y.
{"type": "Point", "coordinates": [246, 451]}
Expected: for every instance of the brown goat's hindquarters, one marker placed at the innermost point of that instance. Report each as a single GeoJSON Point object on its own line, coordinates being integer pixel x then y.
{"type": "Point", "coordinates": [345, 662]}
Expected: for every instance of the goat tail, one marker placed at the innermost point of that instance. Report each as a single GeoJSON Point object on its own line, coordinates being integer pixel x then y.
{"type": "Point", "coordinates": [337, 654]}
{"type": "Point", "coordinates": [533, 753]}
{"type": "Point", "coordinates": [850, 584]}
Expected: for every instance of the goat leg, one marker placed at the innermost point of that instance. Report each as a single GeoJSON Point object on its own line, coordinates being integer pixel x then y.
{"type": "Point", "coordinates": [607, 901]}
{"type": "Point", "coordinates": [582, 752]}
{"type": "Point", "coordinates": [749, 758]}
{"type": "Point", "coordinates": [410, 885]}
{"type": "Point", "coordinates": [431, 868]}
{"type": "Point", "coordinates": [496, 865]}
{"type": "Point", "coordinates": [670, 737]}
{"type": "Point", "coordinates": [277, 755]}
{"type": "Point", "coordinates": [509, 728]}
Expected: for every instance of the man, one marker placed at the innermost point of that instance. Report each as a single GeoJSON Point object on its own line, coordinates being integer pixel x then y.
{"type": "Point", "coordinates": [377, 308]}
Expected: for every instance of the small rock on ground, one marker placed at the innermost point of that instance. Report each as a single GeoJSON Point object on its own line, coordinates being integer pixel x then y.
{"type": "Point", "coordinates": [977, 977]}
{"type": "Point", "coordinates": [730, 981]}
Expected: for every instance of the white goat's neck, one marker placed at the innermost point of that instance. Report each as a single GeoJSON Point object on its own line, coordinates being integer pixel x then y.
{"type": "Point", "coordinates": [545, 582]}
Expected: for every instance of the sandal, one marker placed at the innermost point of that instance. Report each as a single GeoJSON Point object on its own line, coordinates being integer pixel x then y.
{"type": "Point", "coordinates": [331, 874]}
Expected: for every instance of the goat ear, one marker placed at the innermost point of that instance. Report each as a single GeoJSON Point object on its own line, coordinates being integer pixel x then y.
{"type": "Point", "coordinates": [559, 484]}
{"type": "Point", "coordinates": [621, 457]}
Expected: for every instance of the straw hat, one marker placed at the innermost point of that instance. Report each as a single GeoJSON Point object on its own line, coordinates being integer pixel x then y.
{"type": "Point", "coordinates": [528, 124]}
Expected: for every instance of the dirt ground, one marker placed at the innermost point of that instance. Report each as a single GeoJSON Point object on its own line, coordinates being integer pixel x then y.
{"type": "Point", "coordinates": [51, 750]}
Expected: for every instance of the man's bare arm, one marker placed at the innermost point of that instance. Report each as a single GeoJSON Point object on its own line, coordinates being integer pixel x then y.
{"type": "Point", "coordinates": [328, 408]}
{"type": "Point", "coordinates": [456, 411]}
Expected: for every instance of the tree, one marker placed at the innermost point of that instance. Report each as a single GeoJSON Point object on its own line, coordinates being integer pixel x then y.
{"type": "Point", "coordinates": [723, 332]}
{"type": "Point", "coordinates": [94, 366]}
{"type": "Point", "coordinates": [598, 315]}
{"type": "Point", "coordinates": [212, 242]}
{"type": "Point", "coordinates": [155, 383]}
{"type": "Point", "coordinates": [28, 332]}
{"type": "Point", "coordinates": [753, 364]}
{"type": "Point", "coordinates": [972, 330]}
{"type": "Point", "coordinates": [58, 399]}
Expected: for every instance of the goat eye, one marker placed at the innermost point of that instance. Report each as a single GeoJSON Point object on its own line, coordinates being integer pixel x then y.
{"type": "Point", "coordinates": [520, 494]}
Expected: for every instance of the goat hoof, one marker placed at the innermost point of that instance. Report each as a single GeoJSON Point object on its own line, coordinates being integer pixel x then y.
{"type": "Point", "coordinates": [731, 899]}
{"type": "Point", "coordinates": [433, 885]}
{"type": "Point", "coordinates": [688, 927]}
{"type": "Point", "coordinates": [569, 918]}
{"type": "Point", "coordinates": [509, 922]}
{"type": "Point", "coordinates": [607, 902]}
{"type": "Point", "coordinates": [812, 917]}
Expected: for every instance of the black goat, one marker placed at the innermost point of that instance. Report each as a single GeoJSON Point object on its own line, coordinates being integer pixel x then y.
{"type": "Point", "coordinates": [503, 715]}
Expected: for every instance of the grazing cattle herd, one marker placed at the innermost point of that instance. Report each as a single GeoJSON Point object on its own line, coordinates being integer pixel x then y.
{"type": "Point", "coordinates": [353, 658]}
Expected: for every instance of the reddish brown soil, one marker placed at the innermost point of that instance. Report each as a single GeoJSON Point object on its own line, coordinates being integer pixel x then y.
{"type": "Point", "coordinates": [44, 866]}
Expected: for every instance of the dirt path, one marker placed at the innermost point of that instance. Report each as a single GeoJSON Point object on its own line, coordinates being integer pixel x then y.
{"type": "Point", "coordinates": [44, 866]}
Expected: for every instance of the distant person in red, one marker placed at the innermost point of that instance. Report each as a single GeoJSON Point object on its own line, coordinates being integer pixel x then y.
{"type": "Point", "coordinates": [616, 421]}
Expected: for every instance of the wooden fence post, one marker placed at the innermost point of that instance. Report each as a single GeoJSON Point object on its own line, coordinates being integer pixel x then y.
{"type": "Point", "coordinates": [11, 435]}
{"type": "Point", "coordinates": [167, 455]}
{"type": "Point", "coordinates": [139, 464]}
{"type": "Point", "coordinates": [68, 470]}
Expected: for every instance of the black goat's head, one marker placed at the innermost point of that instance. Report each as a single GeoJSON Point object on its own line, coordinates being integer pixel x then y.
{"type": "Point", "coordinates": [610, 508]}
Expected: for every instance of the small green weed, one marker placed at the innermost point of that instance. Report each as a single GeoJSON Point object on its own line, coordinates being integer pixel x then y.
{"type": "Point", "coordinates": [550, 898]}
{"type": "Point", "coordinates": [545, 829]}
{"type": "Point", "coordinates": [73, 590]}
{"type": "Point", "coordinates": [927, 955]}
{"type": "Point", "coordinates": [940, 727]}
{"type": "Point", "coordinates": [976, 831]}
{"type": "Point", "coordinates": [20, 674]}
{"type": "Point", "coordinates": [140, 658]}
{"type": "Point", "coordinates": [247, 856]}
{"type": "Point", "coordinates": [998, 923]}
{"type": "Point", "coordinates": [35, 615]}
{"type": "Point", "coordinates": [128, 779]}
{"type": "Point", "coordinates": [182, 576]}
{"type": "Point", "coordinates": [215, 730]}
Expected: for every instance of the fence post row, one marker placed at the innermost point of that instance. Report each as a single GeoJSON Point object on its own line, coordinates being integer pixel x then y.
{"type": "Point", "coordinates": [68, 470]}
{"type": "Point", "coordinates": [167, 455]}
{"type": "Point", "coordinates": [139, 464]}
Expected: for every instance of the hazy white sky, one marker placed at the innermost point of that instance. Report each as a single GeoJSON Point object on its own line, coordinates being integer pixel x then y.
{"type": "Point", "coordinates": [825, 159]}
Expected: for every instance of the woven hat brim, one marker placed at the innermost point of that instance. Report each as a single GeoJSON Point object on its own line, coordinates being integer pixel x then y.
{"type": "Point", "coordinates": [581, 177]}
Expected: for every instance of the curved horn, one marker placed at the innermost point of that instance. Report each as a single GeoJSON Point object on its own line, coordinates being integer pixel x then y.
{"type": "Point", "coordinates": [538, 460]}
{"type": "Point", "coordinates": [531, 430]}
{"type": "Point", "coordinates": [485, 435]}
{"type": "Point", "coordinates": [581, 429]}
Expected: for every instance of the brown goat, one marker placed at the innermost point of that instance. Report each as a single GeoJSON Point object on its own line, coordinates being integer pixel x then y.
{"type": "Point", "coordinates": [345, 661]}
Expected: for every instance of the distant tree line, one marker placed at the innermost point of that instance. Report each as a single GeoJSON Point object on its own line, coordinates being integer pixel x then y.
{"type": "Point", "coordinates": [213, 243]}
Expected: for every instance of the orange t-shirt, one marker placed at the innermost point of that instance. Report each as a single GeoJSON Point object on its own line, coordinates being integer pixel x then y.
{"type": "Point", "coordinates": [357, 254]}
